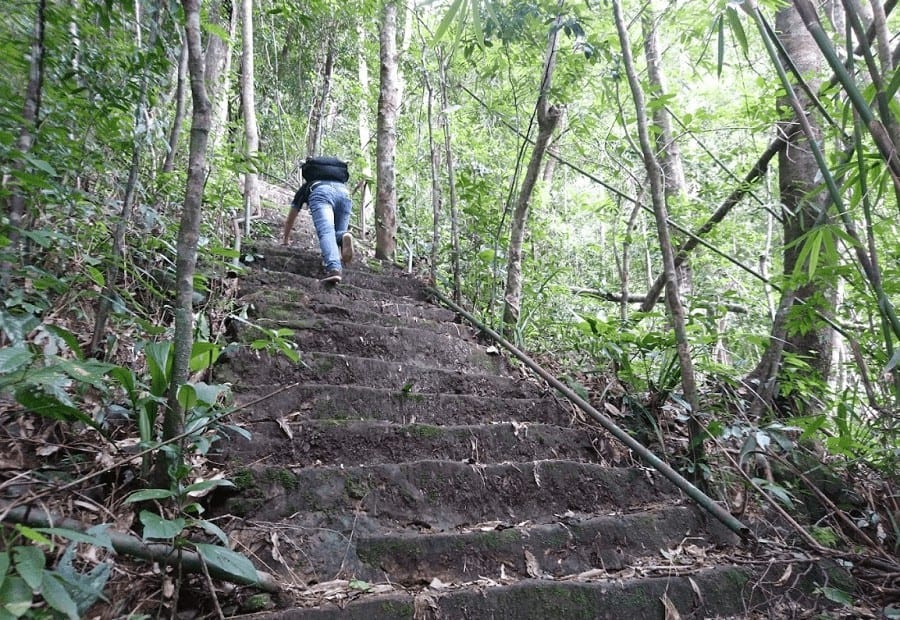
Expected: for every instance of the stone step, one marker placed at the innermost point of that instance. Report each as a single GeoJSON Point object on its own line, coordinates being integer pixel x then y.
{"type": "Point", "coordinates": [259, 287]}
{"type": "Point", "coordinates": [442, 495]}
{"type": "Point", "coordinates": [352, 402]}
{"type": "Point", "coordinates": [706, 590]}
{"type": "Point", "coordinates": [410, 345]}
{"type": "Point", "coordinates": [571, 546]}
{"type": "Point", "coordinates": [294, 441]}
{"type": "Point", "coordinates": [363, 274]}
{"type": "Point", "coordinates": [247, 368]}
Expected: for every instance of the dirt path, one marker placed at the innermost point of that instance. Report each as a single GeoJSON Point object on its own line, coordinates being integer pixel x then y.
{"type": "Point", "coordinates": [400, 469]}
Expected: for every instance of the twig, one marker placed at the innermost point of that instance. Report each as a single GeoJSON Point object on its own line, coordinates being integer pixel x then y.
{"type": "Point", "coordinates": [212, 589]}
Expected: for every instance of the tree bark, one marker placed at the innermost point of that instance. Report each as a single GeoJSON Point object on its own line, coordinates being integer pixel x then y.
{"type": "Point", "coordinates": [188, 231]}
{"type": "Point", "coordinates": [365, 134]}
{"type": "Point", "coordinates": [657, 192]}
{"type": "Point", "coordinates": [112, 273]}
{"type": "Point", "coordinates": [388, 110]}
{"type": "Point", "coordinates": [251, 131]}
{"type": "Point", "coordinates": [666, 147]}
{"type": "Point", "coordinates": [218, 68]}
{"type": "Point", "coordinates": [547, 118]}
{"type": "Point", "coordinates": [178, 119]}
{"type": "Point", "coordinates": [317, 112]}
{"type": "Point", "coordinates": [802, 212]}
{"type": "Point", "coordinates": [30, 114]}
{"type": "Point", "coordinates": [451, 183]}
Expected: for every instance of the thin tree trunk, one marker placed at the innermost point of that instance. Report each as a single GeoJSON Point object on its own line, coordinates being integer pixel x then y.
{"type": "Point", "coordinates": [118, 250]}
{"type": "Point", "coordinates": [218, 68]}
{"type": "Point", "coordinates": [666, 147]}
{"type": "Point", "coordinates": [435, 159]}
{"type": "Point", "coordinates": [547, 118]}
{"type": "Point", "coordinates": [451, 183]}
{"type": "Point", "coordinates": [365, 134]}
{"type": "Point", "coordinates": [388, 110]}
{"type": "Point", "coordinates": [188, 231]}
{"type": "Point", "coordinates": [30, 114]}
{"type": "Point", "coordinates": [657, 191]}
{"type": "Point", "coordinates": [251, 131]}
{"type": "Point", "coordinates": [802, 212]}
{"type": "Point", "coordinates": [178, 119]}
{"type": "Point", "coordinates": [317, 112]}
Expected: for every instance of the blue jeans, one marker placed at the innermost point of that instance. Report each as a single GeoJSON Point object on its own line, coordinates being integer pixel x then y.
{"type": "Point", "coordinates": [330, 205]}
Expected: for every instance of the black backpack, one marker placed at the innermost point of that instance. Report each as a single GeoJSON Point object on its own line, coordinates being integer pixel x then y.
{"type": "Point", "coordinates": [319, 169]}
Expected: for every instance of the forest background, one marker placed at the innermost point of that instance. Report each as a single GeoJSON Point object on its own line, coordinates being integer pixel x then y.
{"type": "Point", "coordinates": [689, 210]}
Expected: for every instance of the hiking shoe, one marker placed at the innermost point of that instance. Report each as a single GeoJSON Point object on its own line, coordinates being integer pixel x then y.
{"type": "Point", "coordinates": [347, 248]}
{"type": "Point", "coordinates": [332, 277]}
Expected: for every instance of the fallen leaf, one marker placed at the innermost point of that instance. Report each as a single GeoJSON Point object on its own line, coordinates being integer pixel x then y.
{"type": "Point", "coordinates": [785, 576]}
{"type": "Point", "coordinates": [283, 425]}
{"type": "Point", "coordinates": [437, 584]}
{"type": "Point", "coordinates": [671, 610]}
{"type": "Point", "coordinates": [697, 591]}
{"type": "Point", "coordinates": [531, 565]}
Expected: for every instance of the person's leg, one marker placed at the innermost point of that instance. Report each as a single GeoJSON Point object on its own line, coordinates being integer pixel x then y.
{"type": "Point", "coordinates": [343, 207]}
{"type": "Point", "coordinates": [322, 211]}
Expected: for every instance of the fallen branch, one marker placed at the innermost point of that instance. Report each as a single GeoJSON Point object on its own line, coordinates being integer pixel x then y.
{"type": "Point", "coordinates": [127, 544]}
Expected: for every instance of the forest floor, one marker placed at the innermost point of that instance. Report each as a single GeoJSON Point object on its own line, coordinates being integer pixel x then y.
{"type": "Point", "coordinates": [403, 466]}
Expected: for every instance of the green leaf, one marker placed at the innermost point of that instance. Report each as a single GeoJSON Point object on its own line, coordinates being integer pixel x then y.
{"type": "Point", "coordinates": [157, 528]}
{"type": "Point", "coordinates": [187, 396]}
{"type": "Point", "coordinates": [209, 394]}
{"type": "Point", "coordinates": [30, 562]}
{"type": "Point", "coordinates": [204, 355]}
{"type": "Point", "coordinates": [16, 596]}
{"type": "Point", "coordinates": [159, 362]}
{"type": "Point", "coordinates": [720, 58]}
{"type": "Point", "coordinates": [36, 401]}
{"type": "Point", "coordinates": [33, 535]}
{"type": "Point", "coordinates": [447, 20]}
{"type": "Point", "coordinates": [837, 596]}
{"type": "Point", "coordinates": [206, 485]}
{"type": "Point", "coordinates": [211, 528]}
{"type": "Point", "coordinates": [95, 275]}
{"type": "Point", "coordinates": [737, 28]}
{"type": "Point", "coordinates": [56, 596]}
{"type": "Point", "coordinates": [98, 539]}
{"type": "Point", "coordinates": [228, 561]}
{"type": "Point", "coordinates": [4, 566]}
{"type": "Point", "coordinates": [67, 337]}
{"type": "Point", "coordinates": [14, 358]}
{"type": "Point", "coordinates": [147, 494]}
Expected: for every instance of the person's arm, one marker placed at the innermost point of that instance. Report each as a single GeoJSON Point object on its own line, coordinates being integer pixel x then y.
{"type": "Point", "coordinates": [288, 226]}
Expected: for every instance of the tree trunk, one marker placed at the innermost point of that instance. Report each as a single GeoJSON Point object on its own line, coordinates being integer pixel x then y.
{"type": "Point", "coordinates": [388, 110]}
{"type": "Point", "coordinates": [33, 89]}
{"type": "Point", "coordinates": [548, 118]}
{"type": "Point", "coordinates": [317, 112]}
{"type": "Point", "coordinates": [251, 132]}
{"type": "Point", "coordinates": [666, 148]}
{"type": "Point", "coordinates": [218, 67]}
{"type": "Point", "coordinates": [451, 183]}
{"type": "Point", "coordinates": [178, 119]}
{"type": "Point", "coordinates": [435, 159]}
{"type": "Point", "coordinates": [189, 228]}
{"type": "Point", "coordinates": [112, 273]}
{"type": "Point", "coordinates": [658, 195]}
{"type": "Point", "coordinates": [365, 134]}
{"type": "Point", "coordinates": [796, 330]}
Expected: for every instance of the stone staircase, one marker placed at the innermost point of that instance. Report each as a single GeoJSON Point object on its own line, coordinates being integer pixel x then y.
{"type": "Point", "coordinates": [403, 469]}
